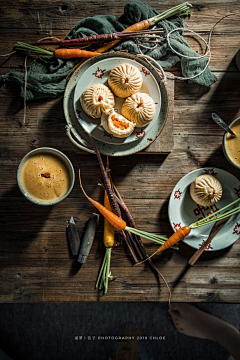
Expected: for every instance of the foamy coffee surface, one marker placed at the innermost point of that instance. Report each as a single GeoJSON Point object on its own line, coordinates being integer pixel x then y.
{"type": "Point", "coordinates": [45, 177]}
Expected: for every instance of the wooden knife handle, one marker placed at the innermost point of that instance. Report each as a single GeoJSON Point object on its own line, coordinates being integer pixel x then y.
{"type": "Point", "coordinates": [216, 228]}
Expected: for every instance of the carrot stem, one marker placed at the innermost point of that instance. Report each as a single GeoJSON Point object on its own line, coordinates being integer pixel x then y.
{"type": "Point", "coordinates": [219, 217]}
{"type": "Point", "coordinates": [104, 274]}
{"type": "Point", "coordinates": [98, 285]}
{"type": "Point", "coordinates": [179, 10]}
{"type": "Point", "coordinates": [137, 232]}
{"type": "Point", "coordinates": [207, 220]}
{"type": "Point", "coordinates": [26, 47]}
{"type": "Point", "coordinates": [108, 251]}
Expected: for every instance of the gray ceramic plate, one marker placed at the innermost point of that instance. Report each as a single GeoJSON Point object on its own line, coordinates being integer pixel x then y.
{"type": "Point", "coordinates": [76, 132]}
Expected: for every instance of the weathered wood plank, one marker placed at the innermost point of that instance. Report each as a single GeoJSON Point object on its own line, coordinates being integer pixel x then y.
{"type": "Point", "coordinates": [45, 16]}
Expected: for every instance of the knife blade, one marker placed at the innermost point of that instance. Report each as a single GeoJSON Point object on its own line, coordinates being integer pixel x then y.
{"type": "Point", "coordinates": [222, 123]}
{"type": "Point", "coordinates": [72, 236]}
{"type": "Point", "coordinates": [88, 238]}
{"type": "Point", "coordinates": [215, 229]}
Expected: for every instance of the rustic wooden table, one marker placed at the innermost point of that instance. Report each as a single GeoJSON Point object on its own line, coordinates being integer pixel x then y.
{"type": "Point", "coordinates": [36, 265]}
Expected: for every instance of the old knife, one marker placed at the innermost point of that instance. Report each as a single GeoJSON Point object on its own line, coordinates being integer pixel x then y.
{"type": "Point", "coordinates": [222, 123]}
{"type": "Point", "coordinates": [72, 236]}
{"type": "Point", "coordinates": [216, 228]}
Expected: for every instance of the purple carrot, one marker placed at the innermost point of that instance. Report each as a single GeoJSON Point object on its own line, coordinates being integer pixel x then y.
{"type": "Point", "coordinates": [112, 200]}
{"type": "Point", "coordinates": [114, 205]}
{"type": "Point", "coordinates": [97, 39]}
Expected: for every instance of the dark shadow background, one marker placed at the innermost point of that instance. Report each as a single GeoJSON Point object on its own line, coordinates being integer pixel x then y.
{"type": "Point", "coordinates": [49, 331]}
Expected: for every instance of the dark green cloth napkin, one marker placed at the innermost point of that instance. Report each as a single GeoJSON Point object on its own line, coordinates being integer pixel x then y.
{"type": "Point", "coordinates": [47, 75]}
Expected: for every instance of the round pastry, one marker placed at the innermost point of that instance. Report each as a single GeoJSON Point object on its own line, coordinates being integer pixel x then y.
{"type": "Point", "coordinates": [96, 99]}
{"type": "Point", "coordinates": [206, 190]}
{"type": "Point", "coordinates": [125, 80]}
{"type": "Point", "coordinates": [139, 108]}
{"type": "Point", "coordinates": [116, 124]}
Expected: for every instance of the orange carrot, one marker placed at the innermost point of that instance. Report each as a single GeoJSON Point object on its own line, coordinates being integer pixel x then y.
{"type": "Point", "coordinates": [108, 230]}
{"type": "Point", "coordinates": [180, 234]}
{"type": "Point", "coordinates": [116, 221]}
{"type": "Point", "coordinates": [66, 54]}
{"type": "Point", "coordinates": [142, 25]}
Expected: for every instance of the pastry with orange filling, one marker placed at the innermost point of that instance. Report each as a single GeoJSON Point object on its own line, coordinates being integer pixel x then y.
{"type": "Point", "coordinates": [116, 124]}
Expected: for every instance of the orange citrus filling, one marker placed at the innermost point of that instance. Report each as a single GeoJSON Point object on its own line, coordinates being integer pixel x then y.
{"type": "Point", "coordinates": [119, 123]}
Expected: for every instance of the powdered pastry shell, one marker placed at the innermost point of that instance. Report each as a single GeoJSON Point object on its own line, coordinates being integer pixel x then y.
{"type": "Point", "coordinates": [116, 124]}
{"type": "Point", "coordinates": [125, 80]}
{"type": "Point", "coordinates": [96, 99]}
{"type": "Point", "coordinates": [206, 190]}
{"type": "Point", "coordinates": [139, 108]}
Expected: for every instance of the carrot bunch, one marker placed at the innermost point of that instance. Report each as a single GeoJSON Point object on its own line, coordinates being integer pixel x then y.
{"type": "Point", "coordinates": [132, 239]}
{"type": "Point", "coordinates": [178, 10]}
